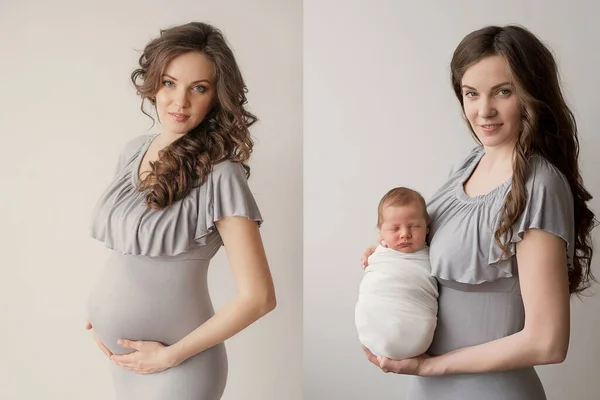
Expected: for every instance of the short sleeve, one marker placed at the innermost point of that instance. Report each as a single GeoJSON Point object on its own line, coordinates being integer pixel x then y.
{"type": "Point", "coordinates": [465, 161]}
{"type": "Point", "coordinates": [549, 207]}
{"type": "Point", "coordinates": [130, 151]}
{"type": "Point", "coordinates": [225, 193]}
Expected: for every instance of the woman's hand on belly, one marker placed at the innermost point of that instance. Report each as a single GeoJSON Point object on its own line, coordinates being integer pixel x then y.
{"type": "Point", "coordinates": [101, 346]}
{"type": "Point", "coordinates": [148, 358]}
{"type": "Point", "coordinates": [410, 366]}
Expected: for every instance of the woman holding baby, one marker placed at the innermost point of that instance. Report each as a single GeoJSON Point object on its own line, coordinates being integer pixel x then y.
{"type": "Point", "coordinates": [509, 231]}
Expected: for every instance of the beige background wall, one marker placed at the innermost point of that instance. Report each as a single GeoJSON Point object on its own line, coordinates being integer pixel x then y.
{"type": "Point", "coordinates": [66, 109]}
{"type": "Point", "coordinates": [379, 113]}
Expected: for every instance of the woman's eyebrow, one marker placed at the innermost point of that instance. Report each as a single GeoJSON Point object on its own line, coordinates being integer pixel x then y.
{"type": "Point", "coordinates": [493, 87]}
{"type": "Point", "coordinates": [175, 79]}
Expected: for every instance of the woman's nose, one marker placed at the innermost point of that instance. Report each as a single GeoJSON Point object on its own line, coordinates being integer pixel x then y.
{"type": "Point", "coordinates": [180, 99]}
{"type": "Point", "coordinates": [486, 109]}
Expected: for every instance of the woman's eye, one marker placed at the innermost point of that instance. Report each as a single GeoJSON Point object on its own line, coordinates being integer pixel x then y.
{"type": "Point", "coordinates": [200, 89]}
{"type": "Point", "coordinates": [470, 94]}
{"type": "Point", "coordinates": [504, 92]}
{"type": "Point", "coordinates": [167, 83]}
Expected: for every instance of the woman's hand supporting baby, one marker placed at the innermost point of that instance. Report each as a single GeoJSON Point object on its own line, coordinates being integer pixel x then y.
{"type": "Point", "coordinates": [411, 366]}
{"type": "Point", "coordinates": [368, 251]}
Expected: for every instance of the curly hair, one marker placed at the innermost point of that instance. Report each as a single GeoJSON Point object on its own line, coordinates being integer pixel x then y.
{"type": "Point", "coordinates": [548, 129]}
{"type": "Point", "coordinates": [222, 135]}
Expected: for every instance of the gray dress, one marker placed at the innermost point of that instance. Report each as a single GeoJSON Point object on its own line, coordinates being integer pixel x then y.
{"type": "Point", "coordinates": [479, 293]}
{"type": "Point", "coordinates": [154, 286]}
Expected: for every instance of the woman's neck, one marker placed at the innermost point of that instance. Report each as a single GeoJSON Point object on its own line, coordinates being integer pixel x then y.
{"type": "Point", "coordinates": [165, 138]}
{"type": "Point", "coordinates": [499, 157]}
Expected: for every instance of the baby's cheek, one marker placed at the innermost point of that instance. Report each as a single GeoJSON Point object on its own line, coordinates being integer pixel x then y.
{"type": "Point", "coordinates": [421, 236]}
{"type": "Point", "coordinates": [387, 236]}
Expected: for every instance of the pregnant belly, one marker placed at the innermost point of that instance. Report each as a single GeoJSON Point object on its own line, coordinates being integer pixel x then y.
{"type": "Point", "coordinates": [139, 298]}
{"type": "Point", "coordinates": [475, 314]}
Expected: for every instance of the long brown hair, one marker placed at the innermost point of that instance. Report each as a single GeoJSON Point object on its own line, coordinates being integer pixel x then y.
{"type": "Point", "coordinates": [222, 135]}
{"type": "Point", "coordinates": [548, 129]}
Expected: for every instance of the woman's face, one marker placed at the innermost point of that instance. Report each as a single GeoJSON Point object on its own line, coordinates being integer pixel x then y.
{"type": "Point", "coordinates": [490, 102]}
{"type": "Point", "coordinates": [186, 93]}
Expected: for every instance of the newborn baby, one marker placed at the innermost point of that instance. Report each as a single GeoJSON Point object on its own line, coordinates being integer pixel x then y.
{"type": "Point", "coordinates": [396, 312]}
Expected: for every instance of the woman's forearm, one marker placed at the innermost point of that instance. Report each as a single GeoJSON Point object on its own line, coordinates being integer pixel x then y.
{"type": "Point", "coordinates": [519, 350]}
{"type": "Point", "coordinates": [235, 316]}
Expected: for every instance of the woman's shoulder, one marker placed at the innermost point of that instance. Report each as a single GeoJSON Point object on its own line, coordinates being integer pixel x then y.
{"type": "Point", "coordinates": [227, 165]}
{"type": "Point", "coordinates": [542, 173]}
{"type": "Point", "coordinates": [466, 159]}
{"type": "Point", "coordinates": [134, 144]}
{"type": "Point", "coordinates": [225, 178]}
{"type": "Point", "coordinates": [228, 169]}
{"type": "Point", "coordinates": [130, 150]}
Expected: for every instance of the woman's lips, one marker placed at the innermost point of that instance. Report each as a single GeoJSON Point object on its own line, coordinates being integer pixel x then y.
{"type": "Point", "coordinates": [179, 117]}
{"type": "Point", "coordinates": [490, 127]}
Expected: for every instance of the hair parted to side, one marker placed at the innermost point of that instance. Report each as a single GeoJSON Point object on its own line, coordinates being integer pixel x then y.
{"type": "Point", "coordinates": [548, 129]}
{"type": "Point", "coordinates": [399, 197]}
{"type": "Point", "coordinates": [222, 135]}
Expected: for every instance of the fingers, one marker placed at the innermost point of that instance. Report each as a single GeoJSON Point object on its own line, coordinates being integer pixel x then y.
{"type": "Point", "coordinates": [385, 368]}
{"type": "Point", "coordinates": [129, 344]}
{"type": "Point", "coordinates": [370, 250]}
{"type": "Point", "coordinates": [136, 370]}
{"type": "Point", "coordinates": [105, 349]}
{"type": "Point", "coordinates": [99, 342]}
{"type": "Point", "coordinates": [125, 363]}
{"type": "Point", "coordinates": [384, 364]}
{"type": "Point", "coordinates": [397, 366]}
{"type": "Point", "coordinates": [365, 257]}
{"type": "Point", "coordinates": [130, 363]}
{"type": "Point", "coordinates": [367, 351]}
{"type": "Point", "coordinates": [370, 356]}
{"type": "Point", "coordinates": [125, 360]}
{"type": "Point", "coordinates": [102, 346]}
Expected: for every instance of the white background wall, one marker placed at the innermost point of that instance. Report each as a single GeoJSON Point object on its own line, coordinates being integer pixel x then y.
{"type": "Point", "coordinates": [379, 112]}
{"type": "Point", "coordinates": [66, 110]}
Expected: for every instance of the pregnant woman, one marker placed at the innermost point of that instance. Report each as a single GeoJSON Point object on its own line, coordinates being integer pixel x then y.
{"type": "Point", "coordinates": [175, 199]}
{"type": "Point", "coordinates": [510, 231]}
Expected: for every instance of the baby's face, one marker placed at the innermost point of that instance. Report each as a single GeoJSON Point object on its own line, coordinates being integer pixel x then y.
{"type": "Point", "coordinates": [404, 228]}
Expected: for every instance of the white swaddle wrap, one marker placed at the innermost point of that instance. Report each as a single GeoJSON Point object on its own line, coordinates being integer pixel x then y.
{"type": "Point", "coordinates": [396, 312]}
